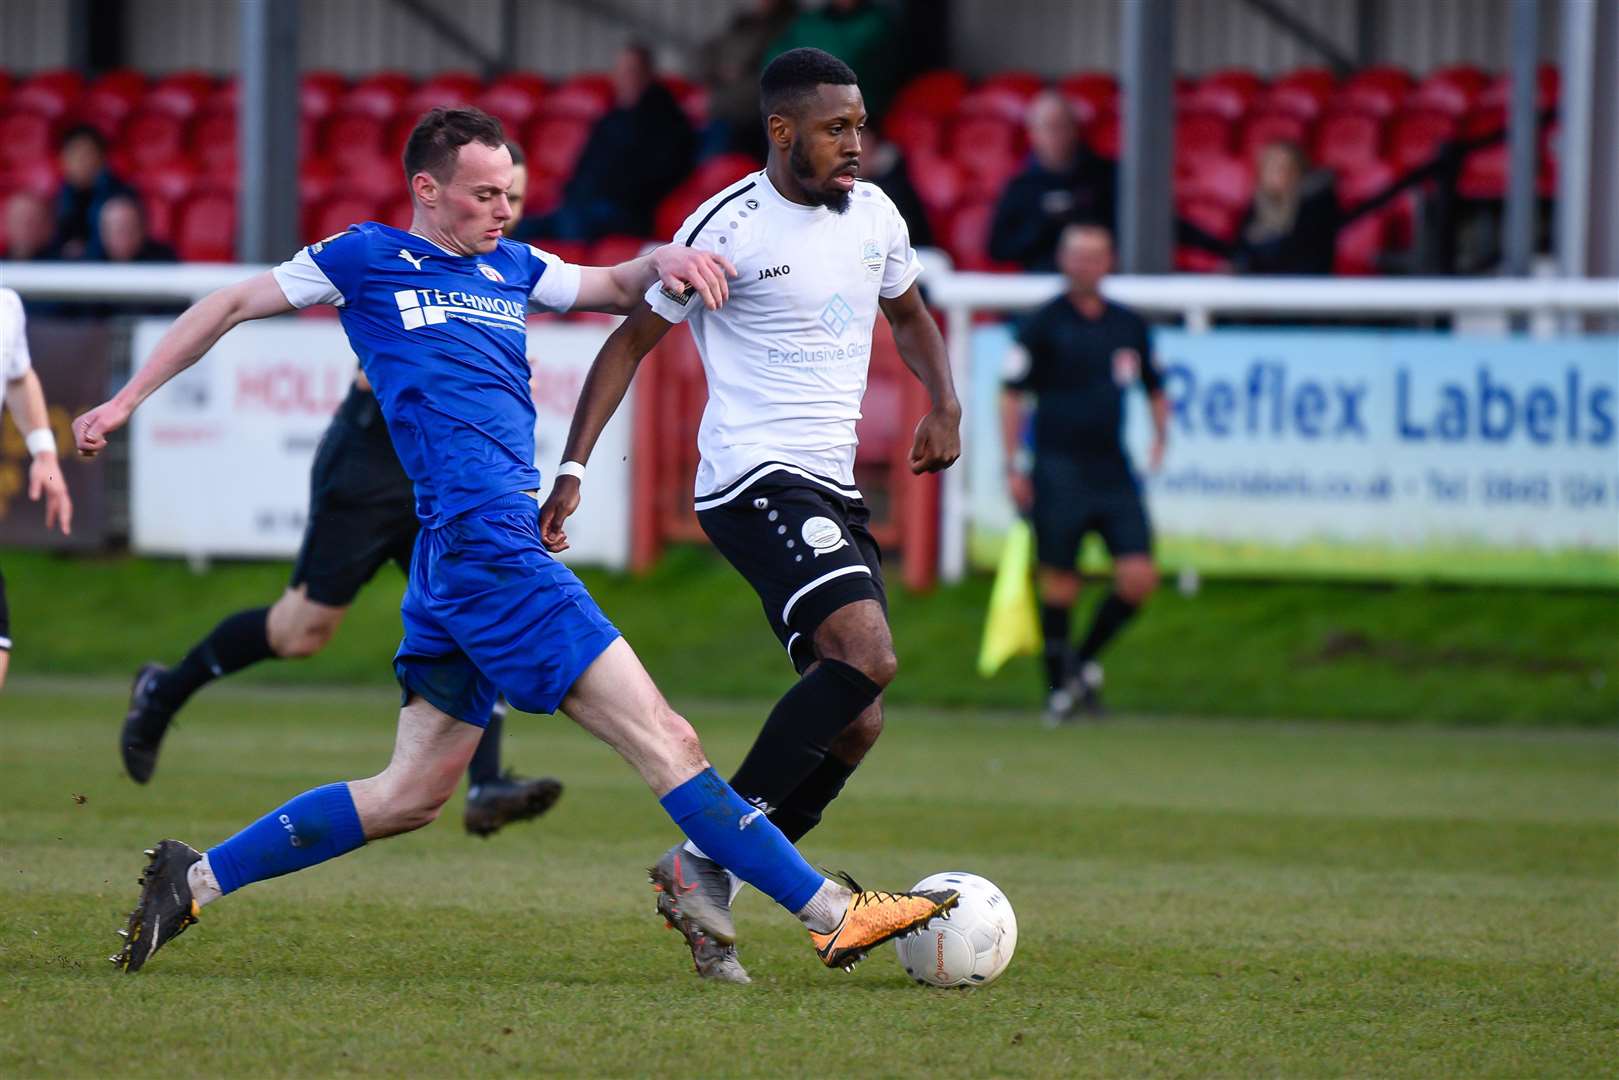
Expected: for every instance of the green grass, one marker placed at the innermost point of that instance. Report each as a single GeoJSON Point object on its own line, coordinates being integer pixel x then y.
{"type": "Point", "coordinates": [1427, 654]}
{"type": "Point", "coordinates": [1209, 898]}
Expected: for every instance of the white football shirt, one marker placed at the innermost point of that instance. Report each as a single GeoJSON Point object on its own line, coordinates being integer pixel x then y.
{"type": "Point", "coordinates": [786, 357]}
{"type": "Point", "coordinates": [14, 359]}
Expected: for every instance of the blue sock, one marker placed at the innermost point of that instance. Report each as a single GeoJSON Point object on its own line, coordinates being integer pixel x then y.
{"type": "Point", "coordinates": [317, 825]}
{"type": "Point", "coordinates": [740, 838]}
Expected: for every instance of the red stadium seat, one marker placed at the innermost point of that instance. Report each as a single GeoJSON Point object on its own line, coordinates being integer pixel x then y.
{"type": "Point", "coordinates": [180, 95]}
{"type": "Point", "coordinates": [722, 170]}
{"type": "Point", "coordinates": [513, 104]}
{"type": "Point", "coordinates": [317, 178]}
{"type": "Point", "coordinates": [1484, 120]}
{"type": "Point", "coordinates": [1343, 140]}
{"type": "Point", "coordinates": [612, 250]}
{"type": "Point", "coordinates": [379, 97]}
{"type": "Point", "coordinates": [1317, 82]}
{"type": "Point", "coordinates": [1262, 129]}
{"type": "Point", "coordinates": [988, 152]}
{"type": "Point", "coordinates": [1226, 180]}
{"type": "Point", "coordinates": [935, 92]}
{"type": "Point", "coordinates": [1242, 80]}
{"type": "Point", "coordinates": [995, 102]}
{"type": "Point", "coordinates": [1201, 133]}
{"type": "Point", "coordinates": [397, 134]}
{"type": "Point", "coordinates": [967, 237]}
{"type": "Point", "coordinates": [1484, 173]}
{"type": "Point", "coordinates": [446, 89]}
{"type": "Point", "coordinates": [1102, 135]}
{"type": "Point", "coordinates": [1398, 216]}
{"type": "Point", "coordinates": [673, 210]}
{"type": "Point", "coordinates": [1025, 84]}
{"type": "Point", "coordinates": [1377, 90]}
{"type": "Point", "coordinates": [212, 141]}
{"type": "Point", "coordinates": [225, 97]}
{"type": "Point", "coordinates": [694, 103]}
{"type": "Point", "coordinates": [1215, 217]}
{"type": "Point", "coordinates": [159, 218]}
{"type": "Point", "coordinates": [914, 131]}
{"type": "Point", "coordinates": [1548, 90]}
{"type": "Point", "coordinates": [1220, 99]}
{"type": "Point", "coordinates": [1359, 245]}
{"type": "Point", "coordinates": [1193, 260]}
{"type": "Point", "coordinates": [1415, 138]}
{"type": "Point", "coordinates": [113, 97]}
{"type": "Point", "coordinates": [1451, 91]}
{"type": "Point", "coordinates": [319, 92]}
{"type": "Point", "coordinates": [375, 178]}
{"type": "Point", "coordinates": [554, 143]}
{"type": "Point", "coordinates": [569, 251]}
{"type": "Point", "coordinates": [332, 216]}
{"type": "Point", "coordinates": [583, 97]}
{"type": "Point", "coordinates": [937, 181]}
{"type": "Point", "coordinates": [350, 134]}
{"type": "Point", "coordinates": [205, 229]}
{"type": "Point", "coordinates": [37, 175]}
{"type": "Point", "coordinates": [25, 136]}
{"type": "Point", "coordinates": [1097, 90]}
{"type": "Point", "coordinates": [171, 181]}
{"type": "Point", "coordinates": [50, 93]}
{"type": "Point", "coordinates": [544, 193]}
{"type": "Point", "coordinates": [397, 212]}
{"type": "Point", "coordinates": [152, 138]}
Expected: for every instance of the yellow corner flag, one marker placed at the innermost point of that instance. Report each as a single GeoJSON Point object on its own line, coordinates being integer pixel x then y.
{"type": "Point", "coordinates": [1012, 624]}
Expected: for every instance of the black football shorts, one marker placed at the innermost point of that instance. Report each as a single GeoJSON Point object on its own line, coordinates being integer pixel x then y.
{"type": "Point", "coordinates": [806, 550]}
{"type": "Point", "coordinates": [362, 510]}
{"type": "Point", "coordinates": [1073, 497]}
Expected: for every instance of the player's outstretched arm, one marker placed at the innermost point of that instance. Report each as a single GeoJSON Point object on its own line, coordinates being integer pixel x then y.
{"type": "Point", "coordinates": [192, 335]}
{"type": "Point", "coordinates": [921, 346]}
{"type": "Point", "coordinates": [26, 397]}
{"type": "Point", "coordinates": [609, 377]}
{"type": "Point", "coordinates": [618, 289]}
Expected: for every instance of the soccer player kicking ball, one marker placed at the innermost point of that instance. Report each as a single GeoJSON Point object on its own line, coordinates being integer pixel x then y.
{"type": "Point", "coordinates": [817, 253]}
{"type": "Point", "coordinates": [437, 317]}
{"type": "Point", "coordinates": [362, 514]}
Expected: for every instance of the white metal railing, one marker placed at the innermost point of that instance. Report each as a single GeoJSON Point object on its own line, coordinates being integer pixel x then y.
{"type": "Point", "coordinates": [1196, 299]}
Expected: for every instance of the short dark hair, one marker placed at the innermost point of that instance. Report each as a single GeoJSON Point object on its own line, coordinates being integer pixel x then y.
{"type": "Point", "coordinates": [85, 131]}
{"type": "Point", "coordinates": [441, 133]}
{"type": "Point", "coordinates": [516, 152]}
{"type": "Point", "coordinates": [792, 77]}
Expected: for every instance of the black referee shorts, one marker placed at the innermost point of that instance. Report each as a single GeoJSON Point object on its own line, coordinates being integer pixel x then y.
{"type": "Point", "coordinates": [1073, 496]}
{"type": "Point", "coordinates": [806, 550]}
{"type": "Point", "coordinates": [362, 508]}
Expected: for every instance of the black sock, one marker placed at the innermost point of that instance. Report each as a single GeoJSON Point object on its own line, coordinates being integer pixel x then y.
{"type": "Point", "coordinates": [800, 728]}
{"type": "Point", "coordinates": [1054, 629]}
{"type": "Point", "coordinates": [1111, 615]}
{"type": "Point", "coordinates": [485, 763]}
{"type": "Point", "coordinates": [802, 810]}
{"type": "Point", "coordinates": [239, 640]}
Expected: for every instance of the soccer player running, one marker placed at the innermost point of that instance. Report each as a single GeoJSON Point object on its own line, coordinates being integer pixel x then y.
{"type": "Point", "coordinates": [817, 254]}
{"type": "Point", "coordinates": [436, 315]}
{"type": "Point", "coordinates": [25, 396]}
{"type": "Point", "coordinates": [362, 514]}
{"type": "Point", "coordinates": [1077, 357]}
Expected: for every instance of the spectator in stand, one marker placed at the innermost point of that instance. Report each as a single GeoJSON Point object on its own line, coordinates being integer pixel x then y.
{"type": "Point", "coordinates": [1063, 184]}
{"type": "Point", "coordinates": [122, 226]}
{"type": "Point", "coordinates": [882, 163]}
{"type": "Point", "coordinates": [729, 65]}
{"type": "Point", "coordinates": [28, 228]}
{"type": "Point", "coordinates": [1292, 225]}
{"type": "Point", "coordinates": [637, 153]}
{"type": "Point", "coordinates": [862, 35]}
{"type": "Point", "coordinates": [87, 184]}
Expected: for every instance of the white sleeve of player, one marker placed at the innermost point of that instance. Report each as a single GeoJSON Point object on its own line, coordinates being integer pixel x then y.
{"type": "Point", "coordinates": [558, 287]}
{"type": "Point", "coordinates": [14, 358]}
{"type": "Point", "coordinates": [677, 307]}
{"type": "Point", "coordinates": [304, 284]}
{"type": "Point", "coordinates": [901, 267]}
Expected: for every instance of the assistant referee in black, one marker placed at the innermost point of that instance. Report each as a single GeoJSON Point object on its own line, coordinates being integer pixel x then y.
{"type": "Point", "coordinates": [1074, 361]}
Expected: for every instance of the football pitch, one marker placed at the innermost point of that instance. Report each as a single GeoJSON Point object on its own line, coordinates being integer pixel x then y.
{"type": "Point", "coordinates": [1194, 898]}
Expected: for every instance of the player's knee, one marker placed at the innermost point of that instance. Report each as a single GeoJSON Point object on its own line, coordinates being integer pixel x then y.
{"type": "Point", "coordinates": [879, 664]}
{"type": "Point", "coordinates": [1137, 582]}
{"type": "Point", "coordinates": [677, 737]}
{"type": "Point", "coordinates": [303, 641]}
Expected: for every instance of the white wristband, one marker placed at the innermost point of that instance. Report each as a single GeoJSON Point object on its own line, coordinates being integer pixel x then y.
{"type": "Point", "coordinates": [40, 441]}
{"type": "Point", "coordinates": [571, 468]}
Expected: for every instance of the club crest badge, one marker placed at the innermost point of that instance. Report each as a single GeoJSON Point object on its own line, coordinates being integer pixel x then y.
{"type": "Point", "coordinates": [491, 273]}
{"type": "Point", "coordinates": [872, 256]}
{"type": "Point", "coordinates": [823, 535]}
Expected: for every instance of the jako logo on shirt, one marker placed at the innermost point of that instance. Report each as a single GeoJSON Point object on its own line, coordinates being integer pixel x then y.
{"type": "Point", "coordinates": [428, 307]}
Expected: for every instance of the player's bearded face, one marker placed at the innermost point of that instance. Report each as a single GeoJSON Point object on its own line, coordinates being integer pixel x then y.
{"type": "Point", "coordinates": [819, 184]}
{"type": "Point", "coordinates": [825, 153]}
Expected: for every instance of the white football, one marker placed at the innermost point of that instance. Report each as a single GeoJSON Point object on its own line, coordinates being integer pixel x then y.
{"type": "Point", "coordinates": [969, 948]}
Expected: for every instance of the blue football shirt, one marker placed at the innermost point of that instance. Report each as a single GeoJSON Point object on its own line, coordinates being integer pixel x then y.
{"type": "Point", "coordinates": [442, 339]}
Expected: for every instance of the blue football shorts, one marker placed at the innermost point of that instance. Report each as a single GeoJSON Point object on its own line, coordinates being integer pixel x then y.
{"type": "Point", "coordinates": [488, 611]}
